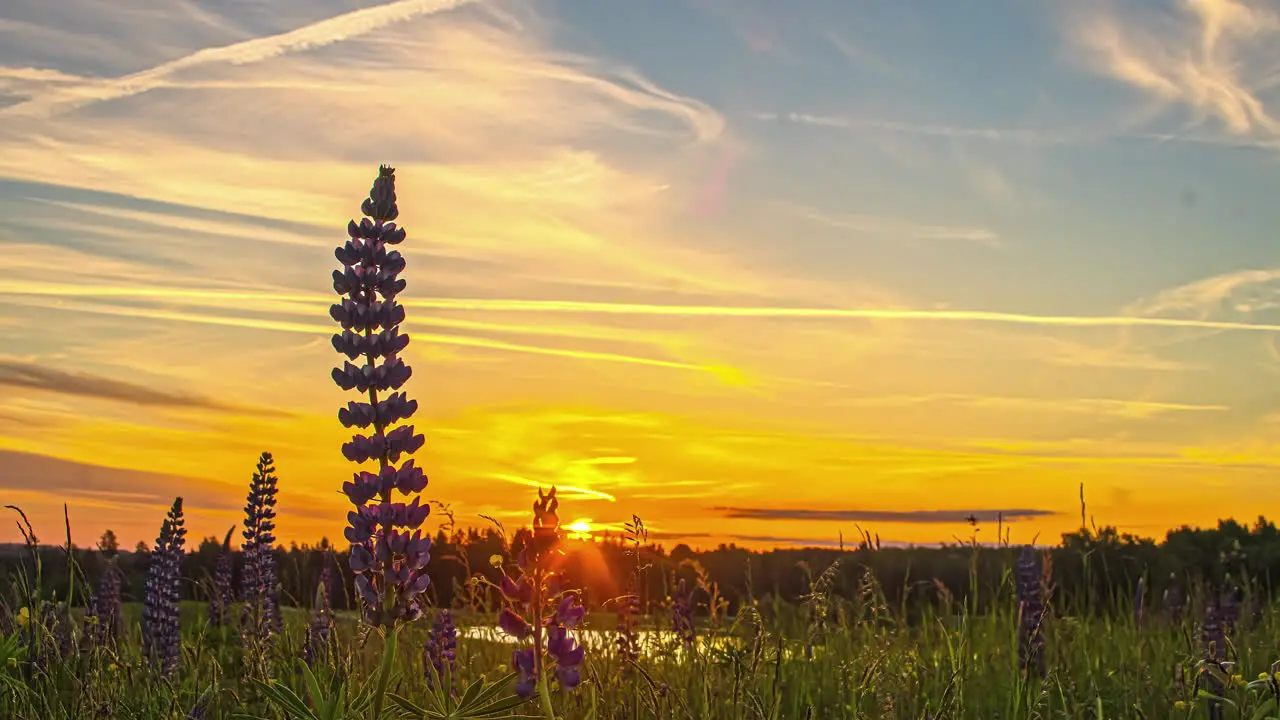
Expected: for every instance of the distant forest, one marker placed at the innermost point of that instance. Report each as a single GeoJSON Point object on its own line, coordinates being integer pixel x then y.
{"type": "Point", "coordinates": [1093, 570]}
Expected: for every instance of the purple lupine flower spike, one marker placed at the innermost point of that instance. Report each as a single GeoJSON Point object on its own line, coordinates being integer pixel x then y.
{"type": "Point", "coordinates": [221, 594]}
{"type": "Point", "coordinates": [536, 607]}
{"type": "Point", "coordinates": [389, 552]}
{"type": "Point", "coordinates": [107, 606]}
{"type": "Point", "coordinates": [682, 614]}
{"type": "Point", "coordinates": [1031, 658]}
{"type": "Point", "coordinates": [441, 651]}
{"type": "Point", "coordinates": [259, 619]}
{"type": "Point", "coordinates": [321, 627]}
{"type": "Point", "coordinates": [160, 627]}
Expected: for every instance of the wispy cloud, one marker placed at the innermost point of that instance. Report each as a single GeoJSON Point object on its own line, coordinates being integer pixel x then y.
{"type": "Point", "coordinates": [1215, 58]}
{"type": "Point", "coordinates": [38, 376]}
{"type": "Point", "coordinates": [326, 32]}
{"type": "Point", "coordinates": [885, 516]}
{"type": "Point", "coordinates": [890, 228]}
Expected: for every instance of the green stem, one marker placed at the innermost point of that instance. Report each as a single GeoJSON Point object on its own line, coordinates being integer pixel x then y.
{"type": "Point", "coordinates": [384, 671]}
{"type": "Point", "coordinates": [544, 692]}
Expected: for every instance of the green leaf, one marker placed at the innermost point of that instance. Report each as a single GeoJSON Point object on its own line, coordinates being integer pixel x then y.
{"type": "Point", "coordinates": [497, 708]}
{"type": "Point", "coordinates": [1263, 709]}
{"type": "Point", "coordinates": [407, 705]}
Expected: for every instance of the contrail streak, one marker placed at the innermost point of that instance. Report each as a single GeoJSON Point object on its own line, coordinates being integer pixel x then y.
{"type": "Point", "coordinates": [19, 287]}
{"type": "Point", "coordinates": [325, 32]}
{"type": "Point", "coordinates": [310, 329]}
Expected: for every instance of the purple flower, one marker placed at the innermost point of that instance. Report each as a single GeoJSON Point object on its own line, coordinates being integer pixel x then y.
{"type": "Point", "coordinates": [160, 627]}
{"type": "Point", "coordinates": [389, 553]}
{"type": "Point", "coordinates": [682, 613]}
{"type": "Point", "coordinates": [569, 612]}
{"type": "Point", "coordinates": [627, 637]}
{"type": "Point", "coordinates": [1031, 613]}
{"type": "Point", "coordinates": [220, 594]}
{"type": "Point", "coordinates": [535, 607]}
{"type": "Point", "coordinates": [526, 671]}
{"type": "Point", "coordinates": [321, 627]}
{"type": "Point", "coordinates": [106, 607]}
{"type": "Point", "coordinates": [513, 624]}
{"type": "Point", "coordinates": [441, 651]}
{"type": "Point", "coordinates": [261, 616]}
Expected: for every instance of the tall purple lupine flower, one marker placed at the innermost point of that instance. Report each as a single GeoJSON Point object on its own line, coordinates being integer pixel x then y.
{"type": "Point", "coordinates": [106, 605]}
{"type": "Point", "coordinates": [441, 650]}
{"type": "Point", "coordinates": [1215, 652]}
{"type": "Point", "coordinates": [160, 628]}
{"type": "Point", "coordinates": [389, 552]}
{"type": "Point", "coordinates": [321, 627]}
{"type": "Point", "coordinates": [682, 613]}
{"type": "Point", "coordinates": [1031, 613]}
{"type": "Point", "coordinates": [220, 594]}
{"type": "Point", "coordinates": [528, 612]}
{"type": "Point", "coordinates": [259, 620]}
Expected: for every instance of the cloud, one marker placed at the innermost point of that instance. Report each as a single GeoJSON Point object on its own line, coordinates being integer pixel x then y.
{"type": "Point", "coordinates": [1237, 293]}
{"type": "Point", "coordinates": [953, 132]}
{"type": "Point", "coordinates": [21, 374]}
{"type": "Point", "coordinates": [326, 32]}
{"type": "Point", "coordinates": [1016, 136]}
{"type": "Point", "coordinates": [1214, 58]}
{"type": "Point", "coordinates": [1134, 409]}
{"type": "Point", "coordinates": [884, 516]}
{"type": "Point", "coordinates": [880, 226]}
{"type": "Point", "coordinates": [37, 288]}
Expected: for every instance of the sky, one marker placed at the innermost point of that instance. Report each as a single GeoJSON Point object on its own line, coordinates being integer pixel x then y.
{"type": "Point", "coordinates": [758, 272]}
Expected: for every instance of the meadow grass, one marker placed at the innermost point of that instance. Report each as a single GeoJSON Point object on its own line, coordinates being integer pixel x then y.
{"type": "Point", "coordinates": [768, 662]}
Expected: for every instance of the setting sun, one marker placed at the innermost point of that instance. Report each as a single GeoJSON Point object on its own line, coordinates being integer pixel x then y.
{"type": "Point", "coordinates": [580, 529]}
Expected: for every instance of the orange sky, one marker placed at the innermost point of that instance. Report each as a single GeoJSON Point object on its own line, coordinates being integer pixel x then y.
{"type": "Point", "coordinates": [769, 306]}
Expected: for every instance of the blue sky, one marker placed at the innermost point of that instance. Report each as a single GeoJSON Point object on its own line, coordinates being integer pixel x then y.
{"type": "Point", "coordinates": [993, 249]}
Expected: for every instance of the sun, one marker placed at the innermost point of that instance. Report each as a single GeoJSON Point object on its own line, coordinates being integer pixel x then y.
{"type": "Point", "coordinates": [579, 529]}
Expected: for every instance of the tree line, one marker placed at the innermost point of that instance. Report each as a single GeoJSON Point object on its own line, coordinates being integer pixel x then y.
{"type": "Point", "coordinates": [1093, 569]}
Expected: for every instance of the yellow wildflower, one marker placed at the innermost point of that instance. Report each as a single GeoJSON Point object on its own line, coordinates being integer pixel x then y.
{"type": "Point", "coordinates": [495, 560]}
{"type": "Point", "coordinates": [24, 616]}
{"type": "Point", "coordinates": [1180, 705]}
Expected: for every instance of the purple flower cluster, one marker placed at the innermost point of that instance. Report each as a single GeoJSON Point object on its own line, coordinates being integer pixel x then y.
{"type": "Point", "coordinates": [321, 627]}
{"type": "Point", "coordinates": [1031, 612]}
{"type": "Point", "coordinates": [261, 616]}
{"type": "Point", "coordinates": [628, 637]}
{"type": "Point", "coordinates": [220, 594]}
{"type": "Point", "coordinates": [682, 613]}
{"type": "Point", "coordinates": [389, 552]}
{"type": "Point", "coordinates": [560, 645]}
{"type": "Point", "coordinates": [160, 628]}
{"type": "Point", "coordinates": [106, 607]}
{"type": "Point", "coordinates": [441, 650]}
{"type": "Point", "coordinates": [527, 600]}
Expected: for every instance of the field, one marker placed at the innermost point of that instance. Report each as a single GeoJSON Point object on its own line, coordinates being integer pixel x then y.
{"type": "Point", "coordinates": [768, 662]}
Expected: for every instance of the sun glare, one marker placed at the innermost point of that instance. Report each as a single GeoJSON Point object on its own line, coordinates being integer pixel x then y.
{"type": "Point", "coordinates": [579, 529]}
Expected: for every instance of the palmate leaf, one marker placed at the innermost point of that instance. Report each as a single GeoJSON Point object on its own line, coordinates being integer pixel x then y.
{"type": "Point", "coordinates": [480, 700]}
{"type": "Point", "coordinates": [331, 703]}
